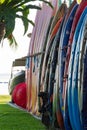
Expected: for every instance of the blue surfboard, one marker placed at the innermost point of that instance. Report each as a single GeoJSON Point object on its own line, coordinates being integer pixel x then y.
{"type": "Point", "coordinates": [74, 124]}
{"type": "Point", "coordinates": [82, 79]}
{"type": "Point", "coordinates": [75, 109]}
{"type": "Point", "coordinates": [80, 74]}
{"type": "Point", "coordinates": [62, 57]}
{"type": "Point", "coordinates": [84, 90]}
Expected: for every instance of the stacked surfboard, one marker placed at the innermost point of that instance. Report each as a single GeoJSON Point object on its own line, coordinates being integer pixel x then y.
{"type": "Point", "coordinates": [56, 66]}
{"type": "Point", "coordinates": [40, 31]}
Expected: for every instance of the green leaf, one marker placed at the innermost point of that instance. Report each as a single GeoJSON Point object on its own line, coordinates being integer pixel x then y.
{"type": "Point", "coordinates": [31, 7]}
{"type": "Point", "coordinates": [12, 41]}
{"type": "Point", "coordinates": [19, 10]}
{"type": "Point", "coordinates": [8, 15]}
{"type": "Point", "coordinates": [5, 2]}
{"type": "Point", "coordinates": [2, 1]}
{"type": "Point", "coordinates": [24, 14]}
{"type": "Point", "coordinates": [15, 2]}
{"type": "Point", "coordinates": [27, 1]}
{"type": "Point", "coordinates": [26, 21]}
{"type": "Point", "coordinates": [10, 23]}
{"type": "Point", "coordinates": [45, 1]}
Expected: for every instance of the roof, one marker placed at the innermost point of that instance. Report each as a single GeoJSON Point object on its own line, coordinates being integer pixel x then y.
{"type": "Point", "coordinates": [19, 62]}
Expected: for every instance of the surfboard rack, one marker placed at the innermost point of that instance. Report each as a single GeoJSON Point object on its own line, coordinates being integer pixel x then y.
{"type": "Point", "coordinates": [36, 54]}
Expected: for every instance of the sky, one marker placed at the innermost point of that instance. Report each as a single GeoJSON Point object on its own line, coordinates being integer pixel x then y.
{"type": "Point", "coordinates": [7, 54]}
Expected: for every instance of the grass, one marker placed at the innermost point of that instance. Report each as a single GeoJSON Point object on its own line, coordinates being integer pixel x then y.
{"type": "Point", "coordinates": [15, 119]}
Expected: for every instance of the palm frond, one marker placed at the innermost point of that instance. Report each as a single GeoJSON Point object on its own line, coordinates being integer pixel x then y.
{"type": "Point", "coordinates": [25, 21]}
{"type": "Point", "coordinates": [12, 40]}
{"type": "Point", "coordinates": [30, 21]}
{"type": "Point", "coordinates": [2, 1]}
{"type": "Point", "coordinates": [19, 9]}
{"type": "Point", "coordinates": [5, 2]}
{"type": "Point", "coordinates": [14, 2]}
{"type": "Point", "coordinates": [9, 12]}
{"type": "Point", "coordinates": [8, 15]}
{"type": "Point", "coordinates": [27, 1]}
{"type": "Point", "coordinates": [27, 8]}
{"type": "Point", "coordinates": [32, 7]}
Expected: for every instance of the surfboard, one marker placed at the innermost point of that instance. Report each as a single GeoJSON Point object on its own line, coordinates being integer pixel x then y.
{"type": "Point", "coordinates": [53, 94]}
{"type": "Point", "coordinates": [40, 33]}
{"type": "Point", "coordinates": [70, 70]}
{"type": "Point", "coordinates": [75, 21]}
{"type": "Point", "coordinates": [42, 47]}
{"type": "Point", "coordinates": [33, 49]}
{"type": "Point", "coordinates": [36, 49]}
{"type": "Point", "coordinates": [80, 73]}
{"type": "Point", "coordinates": [82, 79]}
{"type": "Point", "coordinates": [39, 43]}
{"type": "Point", "coordinates": [63, 43]}
{"type": "Point", "coordinates": [47, 65]}
{"type": "Point", "coordinates": [67, 14]}
{"type": "Point", "coordinates": [29, 64]}
{"type": "Point", "coordinates": [62, 58]}
{"type": "Point", "coordinates": [70, 8]}
{"type": "Point", "coordinates": [60, 12]}
{"type": "Point", "coordinates": [53, 82]}
{"type": "Point", "coordinates": [75, 77]}
{"type": "Point", "coordinates": [49, 55]}
{"type": "Point", "coordinates": [79, 11]}
{"type": "Point", "coordinates": [44, 61]}
{"type": "Point", "coordinates": [46, 84]}
{"type": "Point", "coordinates": [33, 71]}
{"type": "Point", "coordinates": [84, 89]}
{"type": "Point", "coordinates": [47, 75]}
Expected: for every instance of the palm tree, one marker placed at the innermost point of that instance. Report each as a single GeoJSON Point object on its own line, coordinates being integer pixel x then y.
{"type": "Point", "coordinates": [12, 9]}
